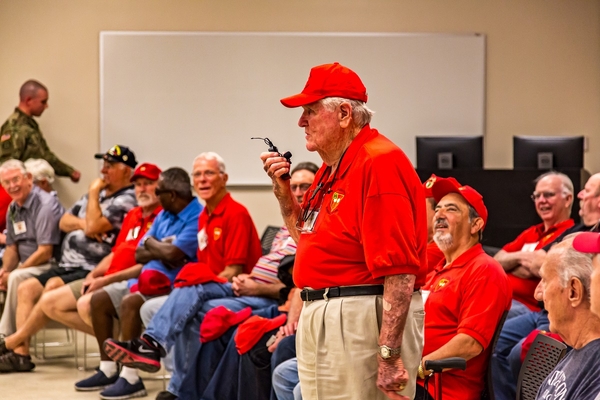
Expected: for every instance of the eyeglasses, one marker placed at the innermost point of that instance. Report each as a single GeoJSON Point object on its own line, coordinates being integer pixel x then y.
{"type": "Point", "coordinates": [15, 181]}
{"type": "Point", "coordinates": [303, 187]}
{"type": "Point", "coordinates": [547, 195]}
{"type": "Point", "coordinates": [208, 174]}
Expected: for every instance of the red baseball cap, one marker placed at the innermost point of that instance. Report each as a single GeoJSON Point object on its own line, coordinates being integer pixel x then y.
{"type": "Point", "coordinates": [218, 320]}
{"type": "Point", "coordinates": [587, 242]}
{"type": "Point", "coordinates": [153, 283]}
{"type": "Point", "coordinates": [250, 332]}
{"type": "Point", "coordinates": [444, 186]}
{"type": "Point", "coordinates": [146, 170]}
{"type": "Point", "coordinates": [328, 80]}
{"type": "Point", "coordinates": [428, 184]}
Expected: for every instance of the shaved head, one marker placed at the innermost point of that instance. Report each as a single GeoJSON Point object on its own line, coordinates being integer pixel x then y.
{"type": "Point", "coordinates": [30, 89]}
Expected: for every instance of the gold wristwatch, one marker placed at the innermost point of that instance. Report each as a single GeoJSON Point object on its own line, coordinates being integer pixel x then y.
{"type": "Point", "coordinates": [387, 352]}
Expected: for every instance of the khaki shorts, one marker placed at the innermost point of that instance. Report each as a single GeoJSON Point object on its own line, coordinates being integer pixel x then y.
{"type": "Point", "coordinates": [337, 345]}
{"type": "Point", "coordinates": [76, 288]}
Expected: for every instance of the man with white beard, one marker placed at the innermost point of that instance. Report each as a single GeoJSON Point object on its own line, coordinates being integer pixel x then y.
{"type": "Point", "coordinates": [468, 293]}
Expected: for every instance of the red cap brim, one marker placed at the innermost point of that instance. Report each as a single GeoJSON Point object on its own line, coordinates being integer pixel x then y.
{"type": "Point", "coordinates": [300, 100]}
{"type": "Point", "coordinates": [587, 242]}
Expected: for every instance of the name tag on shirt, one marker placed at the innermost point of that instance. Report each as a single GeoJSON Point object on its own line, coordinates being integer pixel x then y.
{"type": "Point", "coordinates": [202, 239]}
{"type": "Point", "coordinates": [19, 227]}
{"type": "Point", "coordinates": [529, 246]}
{"type": "Point", "coordinates": [133, 233]}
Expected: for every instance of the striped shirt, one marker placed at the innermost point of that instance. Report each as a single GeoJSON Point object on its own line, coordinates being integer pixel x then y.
{"type": "Point", "coordinates": [265, 270]}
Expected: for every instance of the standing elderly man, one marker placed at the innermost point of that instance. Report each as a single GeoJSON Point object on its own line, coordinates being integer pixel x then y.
{"type": "Point", "coordinates": [362, 239]}
{"type": "Point", "coordinates": [31, 235]}
{"type": "Point", "coordinates": [20, 136]}
{"type": "Point", "coordinates": [92, 225]}
{"type": "Point", "coordinates": [461, 315]}
{"type": "Point", "coordinates": [553, 198]}
{"type": "Point", "coordinates": [565, 286]}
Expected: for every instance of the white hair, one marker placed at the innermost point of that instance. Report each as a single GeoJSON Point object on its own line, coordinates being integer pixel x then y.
{"type": "Point", "coordinates": [13, 164]}
{"type": "Point", "coordinates": [211, 155]}
{"type": "Point", "coordinates": [572, 263]}
{"type": "Point", "coordinates": [40, 169]}
{"type": "Point", "coordinates": [361, 114]}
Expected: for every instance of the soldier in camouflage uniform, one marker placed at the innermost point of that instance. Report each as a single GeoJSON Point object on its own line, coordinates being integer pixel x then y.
{"type": "Point", "coordinates": [20, 136]}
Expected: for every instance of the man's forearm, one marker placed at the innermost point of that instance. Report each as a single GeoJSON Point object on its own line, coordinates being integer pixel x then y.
{"type": "Point", "coordinates": [69, 223]}
{"type": "Point", "coordinates": [461, 345]}
{"type": "Point", "coordinates": [41, 256]}
{"type": "Point", "coordinates": [296, 304]}
{"type": "Point", "coordinates": [93, 214]}
{"type": "Point", "coordinates": [509, 261]}
{"type": "Point", "coordinates": [129, 273]}
{"type": "Point", "coordinates": [269, 290]}
{"type": "Point", "coordinates": [103, 266]}
{"type": "Point", "coordinates": [10, 259]}
{"type": "Point", "coordinates": [290, 209]}
{"type": "Point", "coordinates": [162, 251]}
{"type": "Point", "coordinates": [230, 271]}
{"type": "Point", "coordinates": [397, 295]}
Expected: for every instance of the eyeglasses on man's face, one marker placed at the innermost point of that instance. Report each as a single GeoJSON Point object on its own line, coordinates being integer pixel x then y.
{"type": "Point", "coordinates": [546, 195]}
{"type": "Point", "coordinates": [207, 174]}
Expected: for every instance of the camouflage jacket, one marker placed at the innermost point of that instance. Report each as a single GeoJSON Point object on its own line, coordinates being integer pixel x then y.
{"type": "Point", "coordinates": [20, 138]}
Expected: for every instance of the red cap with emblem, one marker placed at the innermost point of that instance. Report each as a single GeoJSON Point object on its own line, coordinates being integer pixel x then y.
{"type": "Point", "coordinates": [250, 332]}
{"type": "Point", "coordinates": [146, 170]}
{"type": "Point", "coordinates": [218, 320]}
{"type": "Point", "coordinates": [444, 186]}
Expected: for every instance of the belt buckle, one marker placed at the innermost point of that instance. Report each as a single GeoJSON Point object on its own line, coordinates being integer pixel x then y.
{"type": "Point", "coordinates": [304, 294]}
{"type": "Point", "coordinates": [325, 294]}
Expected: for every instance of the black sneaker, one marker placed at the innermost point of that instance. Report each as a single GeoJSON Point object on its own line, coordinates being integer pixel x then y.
{"type": "Point", "coordinates": [166, 395]}
{"type": "Point", "coordinates": [3, 349]}
{"type": "Point", "coordinates": [136, 353]}
{"type": "Point", "coordinates": [13, 362]}
{"type": "Point", "coordinates": [124, 390]}
{"type": "Point", "coordinates": [96, 382]}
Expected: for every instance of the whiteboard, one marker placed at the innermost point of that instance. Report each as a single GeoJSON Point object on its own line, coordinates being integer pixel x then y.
{"type": "Point", "coordinates": [172, 95]}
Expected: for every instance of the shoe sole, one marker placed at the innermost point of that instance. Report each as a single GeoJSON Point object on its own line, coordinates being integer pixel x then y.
{"type": "Point", "coordinates": [140, 393]}
{"type": "Point", "coordinates": [91, 389]}
{"type": "Point", "coordinates": [130, 359]}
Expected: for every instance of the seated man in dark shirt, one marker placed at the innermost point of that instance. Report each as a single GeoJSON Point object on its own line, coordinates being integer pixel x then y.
{"type": "Point", "coordinates": [565, 286]}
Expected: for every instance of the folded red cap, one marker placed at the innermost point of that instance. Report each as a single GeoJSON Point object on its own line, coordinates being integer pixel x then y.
{"type": "Point", "coordinates": [587, 242]}
{"type": "Point", "coordinates": [444, 186]}
{"type": "Point", "coordinates": [218, 320]}
{"type": "Point", "coordinates": [146, 170]}
{"type": "Point", "coordinates": [329, 80]}
{"type": "Point", "coordinates": [153, 283]}
{"type": "Point", "coordinates": [250, 332]}
{"type": "Point", "coordinates": [196, 273]}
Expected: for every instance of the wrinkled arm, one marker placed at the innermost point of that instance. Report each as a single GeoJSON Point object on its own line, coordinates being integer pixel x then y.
{"type": "Point", "coordinates": [69, 223]}
{"type": "Point", "coordinates": [461, 345]}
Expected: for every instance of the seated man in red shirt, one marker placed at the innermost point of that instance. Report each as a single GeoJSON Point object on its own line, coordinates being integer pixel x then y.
{"type": "Point", "coordinates": [553, 198]}
{"type": "Point", "coordinates": [468, 295]}
{"type": "Point", "coordinates": [434, 254]}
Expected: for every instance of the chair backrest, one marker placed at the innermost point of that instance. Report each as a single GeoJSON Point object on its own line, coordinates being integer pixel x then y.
{"type": "Point", "coordinates": [488, 392]}
{"type": "Point", "coordinates": [543, 355]}
{"type": "Point", "coordinates": [267, 238]}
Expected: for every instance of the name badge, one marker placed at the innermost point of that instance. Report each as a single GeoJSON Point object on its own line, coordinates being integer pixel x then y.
{"type": "Point", "coordinates": [19, 227]}
{"type": "Point", "coordinates": [529, 246]}
{"type": "Point", "coordinates": [202, 239]}
{"type": "Point", "coordinates": [133, 233]}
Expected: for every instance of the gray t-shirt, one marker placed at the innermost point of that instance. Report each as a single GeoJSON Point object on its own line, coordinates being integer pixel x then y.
{"type": "Point", "coordinates": [33, 224]}
{"type": "Point", "coordinates": [80, 251]}
{"type": "Point", "coordinates": [575, 377]}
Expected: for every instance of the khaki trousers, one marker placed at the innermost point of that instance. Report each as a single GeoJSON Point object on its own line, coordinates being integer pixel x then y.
{"type": "Point", "coordinates": [337, 344]}
{"type": "Point", "coordinates": [8, 324]}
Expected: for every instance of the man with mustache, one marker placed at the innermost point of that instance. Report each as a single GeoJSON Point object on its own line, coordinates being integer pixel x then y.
{"type": "Point", "coordinates": [91, 227]}
{"type": "Point", "coordinates": [32, 233]}
{"type": "Point", "coordinates": [468, 293]}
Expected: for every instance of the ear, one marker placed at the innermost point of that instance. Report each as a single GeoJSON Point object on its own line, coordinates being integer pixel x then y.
{"type": "Point", "coordinates": [569, 201]}
{"type": "Point", "coordinates": [345, 115]}
{"type": "Point", "coordinates": [225, 178]}
{"type": "Point", "coordinates": [476, 225]}
{"type": "Point", "coordinates": [576, 292]}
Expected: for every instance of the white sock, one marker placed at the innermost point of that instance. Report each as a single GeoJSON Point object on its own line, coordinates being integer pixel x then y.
{"type": "Point", "coordinates": [130, 375]}
{"type": "Point", "coordinates": [108, 367]}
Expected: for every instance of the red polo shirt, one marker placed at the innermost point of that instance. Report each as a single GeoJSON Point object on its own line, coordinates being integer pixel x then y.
{"type": "Point", "coordinates": [434, 256]}
{"type": "Point", "coordinates": [533, 238]}
{"type": "Point", "coordinates": [468, 296]}
{"type": "Point", "coordinates": [134, 228]}
{"type": "Point", "coordinates": [372, 221]}
{"type": "Point", "coordinates": [225, 237]}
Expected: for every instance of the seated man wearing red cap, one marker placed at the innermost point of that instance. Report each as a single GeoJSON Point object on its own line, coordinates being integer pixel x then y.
{"type": "Point", "coordinates": [434, 254]}
{"type": "Point", "coordinates": [62, 304]}
{"type": "Point", "coordinates": [568, 275]}
{"type": "Point", "coordinates": [91, 228]}
{"type": "Point", "coordinates": [553, 198]}
{"type": "Point", "coordinates": [168, 244]}
{"type": "Point", "coordinates": [461, 315]}
{"type": "Point", "coordinates": [177, 323]}
{"type": "Point", "coordinates": [362, 247]}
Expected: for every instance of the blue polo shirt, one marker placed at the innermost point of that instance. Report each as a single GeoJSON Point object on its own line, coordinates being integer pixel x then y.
{"type": "Point", "coordinates": [182, 228]}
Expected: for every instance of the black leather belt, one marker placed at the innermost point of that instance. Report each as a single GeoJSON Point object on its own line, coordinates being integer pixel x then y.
{"type": "Point", "coordinates": [341, 291]}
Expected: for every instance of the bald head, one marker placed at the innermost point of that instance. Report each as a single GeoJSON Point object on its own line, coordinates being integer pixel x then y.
{"type": "Point", "coordinates": [30, 89]}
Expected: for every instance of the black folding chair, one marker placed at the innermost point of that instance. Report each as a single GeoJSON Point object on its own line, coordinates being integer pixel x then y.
{"type": "Point", "coordinates": [543, 355]}
{"type": "Point", "coordinates": [267, 238]}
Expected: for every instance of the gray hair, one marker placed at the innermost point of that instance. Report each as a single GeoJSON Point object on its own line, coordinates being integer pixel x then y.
{"type": "Point", "coordinates": [566, 183]}
{"type": "Point", "coordinates": [40, 169]}
{"type": "Point", "coordinates": [211, 155]}
{"type": "Point", "coordinates": [30, 89]}
{"type": "Point", "coordinates": [13, 164]}
{"type": "Point", "coordinates": [472, 215]}
{"type": "Point", "coordinates": [572, 263]}
{"type": "Point", "coordinates": [361, 114]}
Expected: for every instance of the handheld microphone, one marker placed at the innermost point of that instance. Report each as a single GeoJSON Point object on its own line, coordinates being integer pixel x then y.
{"type": "Point", "coordinates": [287, 155]}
